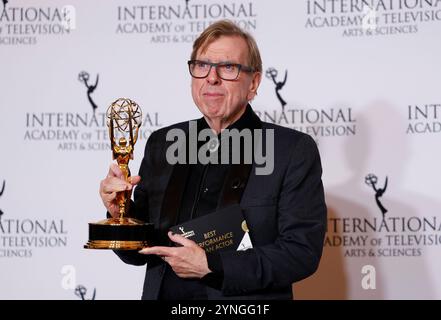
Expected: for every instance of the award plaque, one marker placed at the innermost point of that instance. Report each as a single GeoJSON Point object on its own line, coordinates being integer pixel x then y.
{"type": "Point", "coordinates": [122, 233]}
{"type": "Point", "coordinates": [222, 230]}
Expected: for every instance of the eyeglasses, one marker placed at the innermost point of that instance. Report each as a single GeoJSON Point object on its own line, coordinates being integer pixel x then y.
{"type": "Point", "coordinates": [224, 70]}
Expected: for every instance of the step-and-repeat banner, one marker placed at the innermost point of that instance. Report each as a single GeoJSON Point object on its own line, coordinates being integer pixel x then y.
{"type": "Point", "coordinates": [361, 77]}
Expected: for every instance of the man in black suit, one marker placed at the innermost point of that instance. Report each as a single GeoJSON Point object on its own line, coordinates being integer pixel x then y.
{"type": "Point", "coordinates": [284, 207]}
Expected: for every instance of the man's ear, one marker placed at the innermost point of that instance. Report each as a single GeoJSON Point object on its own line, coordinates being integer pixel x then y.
{"type": "Point", "coordinates": [255, 82]}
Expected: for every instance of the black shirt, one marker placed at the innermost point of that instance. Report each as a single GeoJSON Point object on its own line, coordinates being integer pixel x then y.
{"type": "Point", "coordinates": [202, 192]}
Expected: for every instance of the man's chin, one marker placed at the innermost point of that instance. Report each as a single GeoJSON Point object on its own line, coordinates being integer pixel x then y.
{"type": "Point", "coordinates": [213, 112]}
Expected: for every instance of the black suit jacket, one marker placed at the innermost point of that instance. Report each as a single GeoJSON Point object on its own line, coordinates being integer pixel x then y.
{"type": "Point", "coordinates": [285, 213]}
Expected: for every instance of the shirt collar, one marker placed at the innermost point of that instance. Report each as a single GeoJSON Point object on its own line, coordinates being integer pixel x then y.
{"type": "Point", "coordinates": [248, 120]}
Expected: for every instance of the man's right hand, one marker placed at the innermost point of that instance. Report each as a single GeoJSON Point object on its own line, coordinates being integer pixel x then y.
{"type": "Point", "coordinates": [113, 183]}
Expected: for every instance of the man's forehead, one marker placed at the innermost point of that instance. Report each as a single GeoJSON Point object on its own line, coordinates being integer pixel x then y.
{"type": "Point", "coordinates": [226, 47]}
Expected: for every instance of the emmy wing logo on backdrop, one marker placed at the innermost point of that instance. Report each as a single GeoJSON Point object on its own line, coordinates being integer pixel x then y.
{"type": "Point", "coordinates": [371, 180]}
{"type": "Point", "coordinates": [271, 73]}
{"type": "Point", "coordinates": [1, 193]}
{"type": "Point", "coordinates": [83, 77]}
{"type": "Point", "coordinates": [83, 129]}
{"type": "Point", "coordinates": [397, 234]}
{"type": "Point", "coordinates": [318, 122]}
{"type": "Point", "coordinates": [81, 292]}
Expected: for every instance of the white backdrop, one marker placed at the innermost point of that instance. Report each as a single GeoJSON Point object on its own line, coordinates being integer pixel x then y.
{"type": "Point", "coordinates": [364, 82]}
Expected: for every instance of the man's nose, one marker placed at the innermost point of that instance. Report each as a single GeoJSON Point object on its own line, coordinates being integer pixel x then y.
{"type": "Point", "coordinates": [212, 77]}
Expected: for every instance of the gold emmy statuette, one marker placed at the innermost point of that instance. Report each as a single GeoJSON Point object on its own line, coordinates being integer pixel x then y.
{"type": "Point", "coordinates": [122, 233]}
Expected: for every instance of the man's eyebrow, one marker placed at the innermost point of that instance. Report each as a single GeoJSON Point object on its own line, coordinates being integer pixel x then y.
{"type": "Point", "coordinates": [220, 62]}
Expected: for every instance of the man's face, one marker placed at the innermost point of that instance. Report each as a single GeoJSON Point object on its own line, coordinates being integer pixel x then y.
{"type": "Point", "coordinates": [218, 99]}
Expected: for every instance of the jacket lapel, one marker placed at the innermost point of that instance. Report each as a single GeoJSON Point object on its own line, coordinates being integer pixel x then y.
{"type": "Point", "coordinates": [173, 197]}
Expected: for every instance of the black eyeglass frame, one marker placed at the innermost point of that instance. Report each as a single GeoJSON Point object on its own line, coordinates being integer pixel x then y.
{"type": "Point", "coordinates": [239, 66]}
